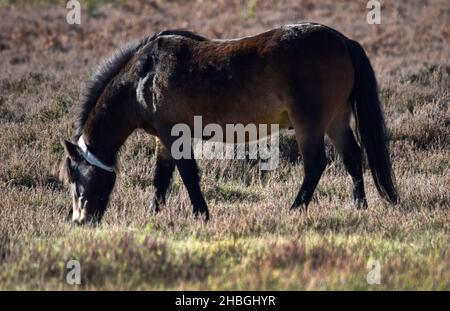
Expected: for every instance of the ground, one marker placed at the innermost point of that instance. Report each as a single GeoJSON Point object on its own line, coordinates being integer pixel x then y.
{"type": "Point", "coordinates": [253, 241]}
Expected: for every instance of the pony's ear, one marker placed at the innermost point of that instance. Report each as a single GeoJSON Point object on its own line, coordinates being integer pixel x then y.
{"type": "Point", "coordinates": [72, 150]}
{"type": "Point", "coordinates": [65, 171]}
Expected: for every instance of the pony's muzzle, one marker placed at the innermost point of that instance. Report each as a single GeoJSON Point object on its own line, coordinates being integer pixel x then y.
{"type": "Point", "coordinates": [85, 219]}
{"type": "Point", "coordinates": [80, 216]}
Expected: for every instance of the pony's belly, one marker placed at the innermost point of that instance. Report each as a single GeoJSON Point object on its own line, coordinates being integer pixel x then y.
{"type": "Point", "coordinates": [258, 116]}
{"type": "Point", "coordinates": [238, 126]}
{"type": "Point", "coordinates": [259, 104]}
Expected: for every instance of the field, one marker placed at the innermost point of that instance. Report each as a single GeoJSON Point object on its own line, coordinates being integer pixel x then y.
{"type": "Point", "coordinates": [253, 241]}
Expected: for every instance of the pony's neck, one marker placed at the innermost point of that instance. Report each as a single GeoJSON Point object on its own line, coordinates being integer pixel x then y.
{"type": "Point", "coordinates": [107, 130]}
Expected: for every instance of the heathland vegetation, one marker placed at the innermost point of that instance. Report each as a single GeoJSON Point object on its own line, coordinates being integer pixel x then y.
{"type": "Point", "coordinates": [253, 241]}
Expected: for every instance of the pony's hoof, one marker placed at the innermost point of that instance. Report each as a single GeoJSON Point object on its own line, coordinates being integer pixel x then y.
{"type": "Point", "coordinates": [361, 204]}
{"type": "Point", "coordinates": [153, 209]}
{"type": "Point", "coordinates": [204, 215]}
{"type": "Point", "coordinates": [302, 208]}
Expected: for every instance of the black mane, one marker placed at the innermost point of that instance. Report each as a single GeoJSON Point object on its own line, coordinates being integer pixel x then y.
{"type": "Point", "coordinates": [111, 67]}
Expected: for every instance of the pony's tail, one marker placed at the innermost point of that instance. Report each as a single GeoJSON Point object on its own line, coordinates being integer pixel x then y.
{"type": "Point", "coordinates": [370, 123]}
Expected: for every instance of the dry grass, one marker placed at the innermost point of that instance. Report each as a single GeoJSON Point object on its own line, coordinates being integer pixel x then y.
{"type": "Point", "coordinates": [252, 241]}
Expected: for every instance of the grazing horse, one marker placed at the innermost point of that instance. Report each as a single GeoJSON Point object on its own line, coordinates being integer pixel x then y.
{"type": "Point", "coordinates": [305, 76]}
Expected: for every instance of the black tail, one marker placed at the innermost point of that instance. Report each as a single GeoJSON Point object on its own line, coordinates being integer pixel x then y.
{"type": "Point", "coordinates": [370, 122]}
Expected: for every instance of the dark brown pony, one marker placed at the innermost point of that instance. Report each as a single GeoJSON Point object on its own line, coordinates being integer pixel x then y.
{"type": "Point", "coordinates": [305, 76]}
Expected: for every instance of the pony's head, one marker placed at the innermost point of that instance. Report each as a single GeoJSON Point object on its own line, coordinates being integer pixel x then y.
{"type": "Point", "coordinates": [90, 184]}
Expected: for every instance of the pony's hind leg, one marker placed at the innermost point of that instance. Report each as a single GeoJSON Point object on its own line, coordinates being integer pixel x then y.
{"type": "Point", "coordinates": [312, 148]}
{"type": "Point", "coordinates": [344, 141]}
{"type": "Point", "coordinates": [165, 165]}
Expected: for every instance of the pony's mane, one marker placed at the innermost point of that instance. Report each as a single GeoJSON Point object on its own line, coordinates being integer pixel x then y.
{"type": "Point", "coordinates": [112, 66]}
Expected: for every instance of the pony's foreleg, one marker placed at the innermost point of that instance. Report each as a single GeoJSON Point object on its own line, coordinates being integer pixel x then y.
{"type": "Point", "coordinates": [189, 174]}
{"type": "Point", "coordinates": [312, 148]}
{"type": "Point", "coordinates": [165, 165]}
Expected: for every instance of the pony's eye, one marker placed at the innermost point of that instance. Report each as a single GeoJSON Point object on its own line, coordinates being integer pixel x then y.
{"type": "Point", "coordinates": [77, 191]}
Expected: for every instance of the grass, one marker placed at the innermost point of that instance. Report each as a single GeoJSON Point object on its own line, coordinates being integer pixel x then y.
{"type": "Point", "coordinates": [251, 8]}
{"type": "Point", "coordinates": [252, 241]}
{"type": "Point", "coordinates": [89, 3]}
{"type": "Point", "coordinates": [91, 6]}
{"type": "Point", "coordinates": [143, 259]}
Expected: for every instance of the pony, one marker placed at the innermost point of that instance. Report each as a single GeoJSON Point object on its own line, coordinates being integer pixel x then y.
{"type": "Point", "coordinates": [308, 77]}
